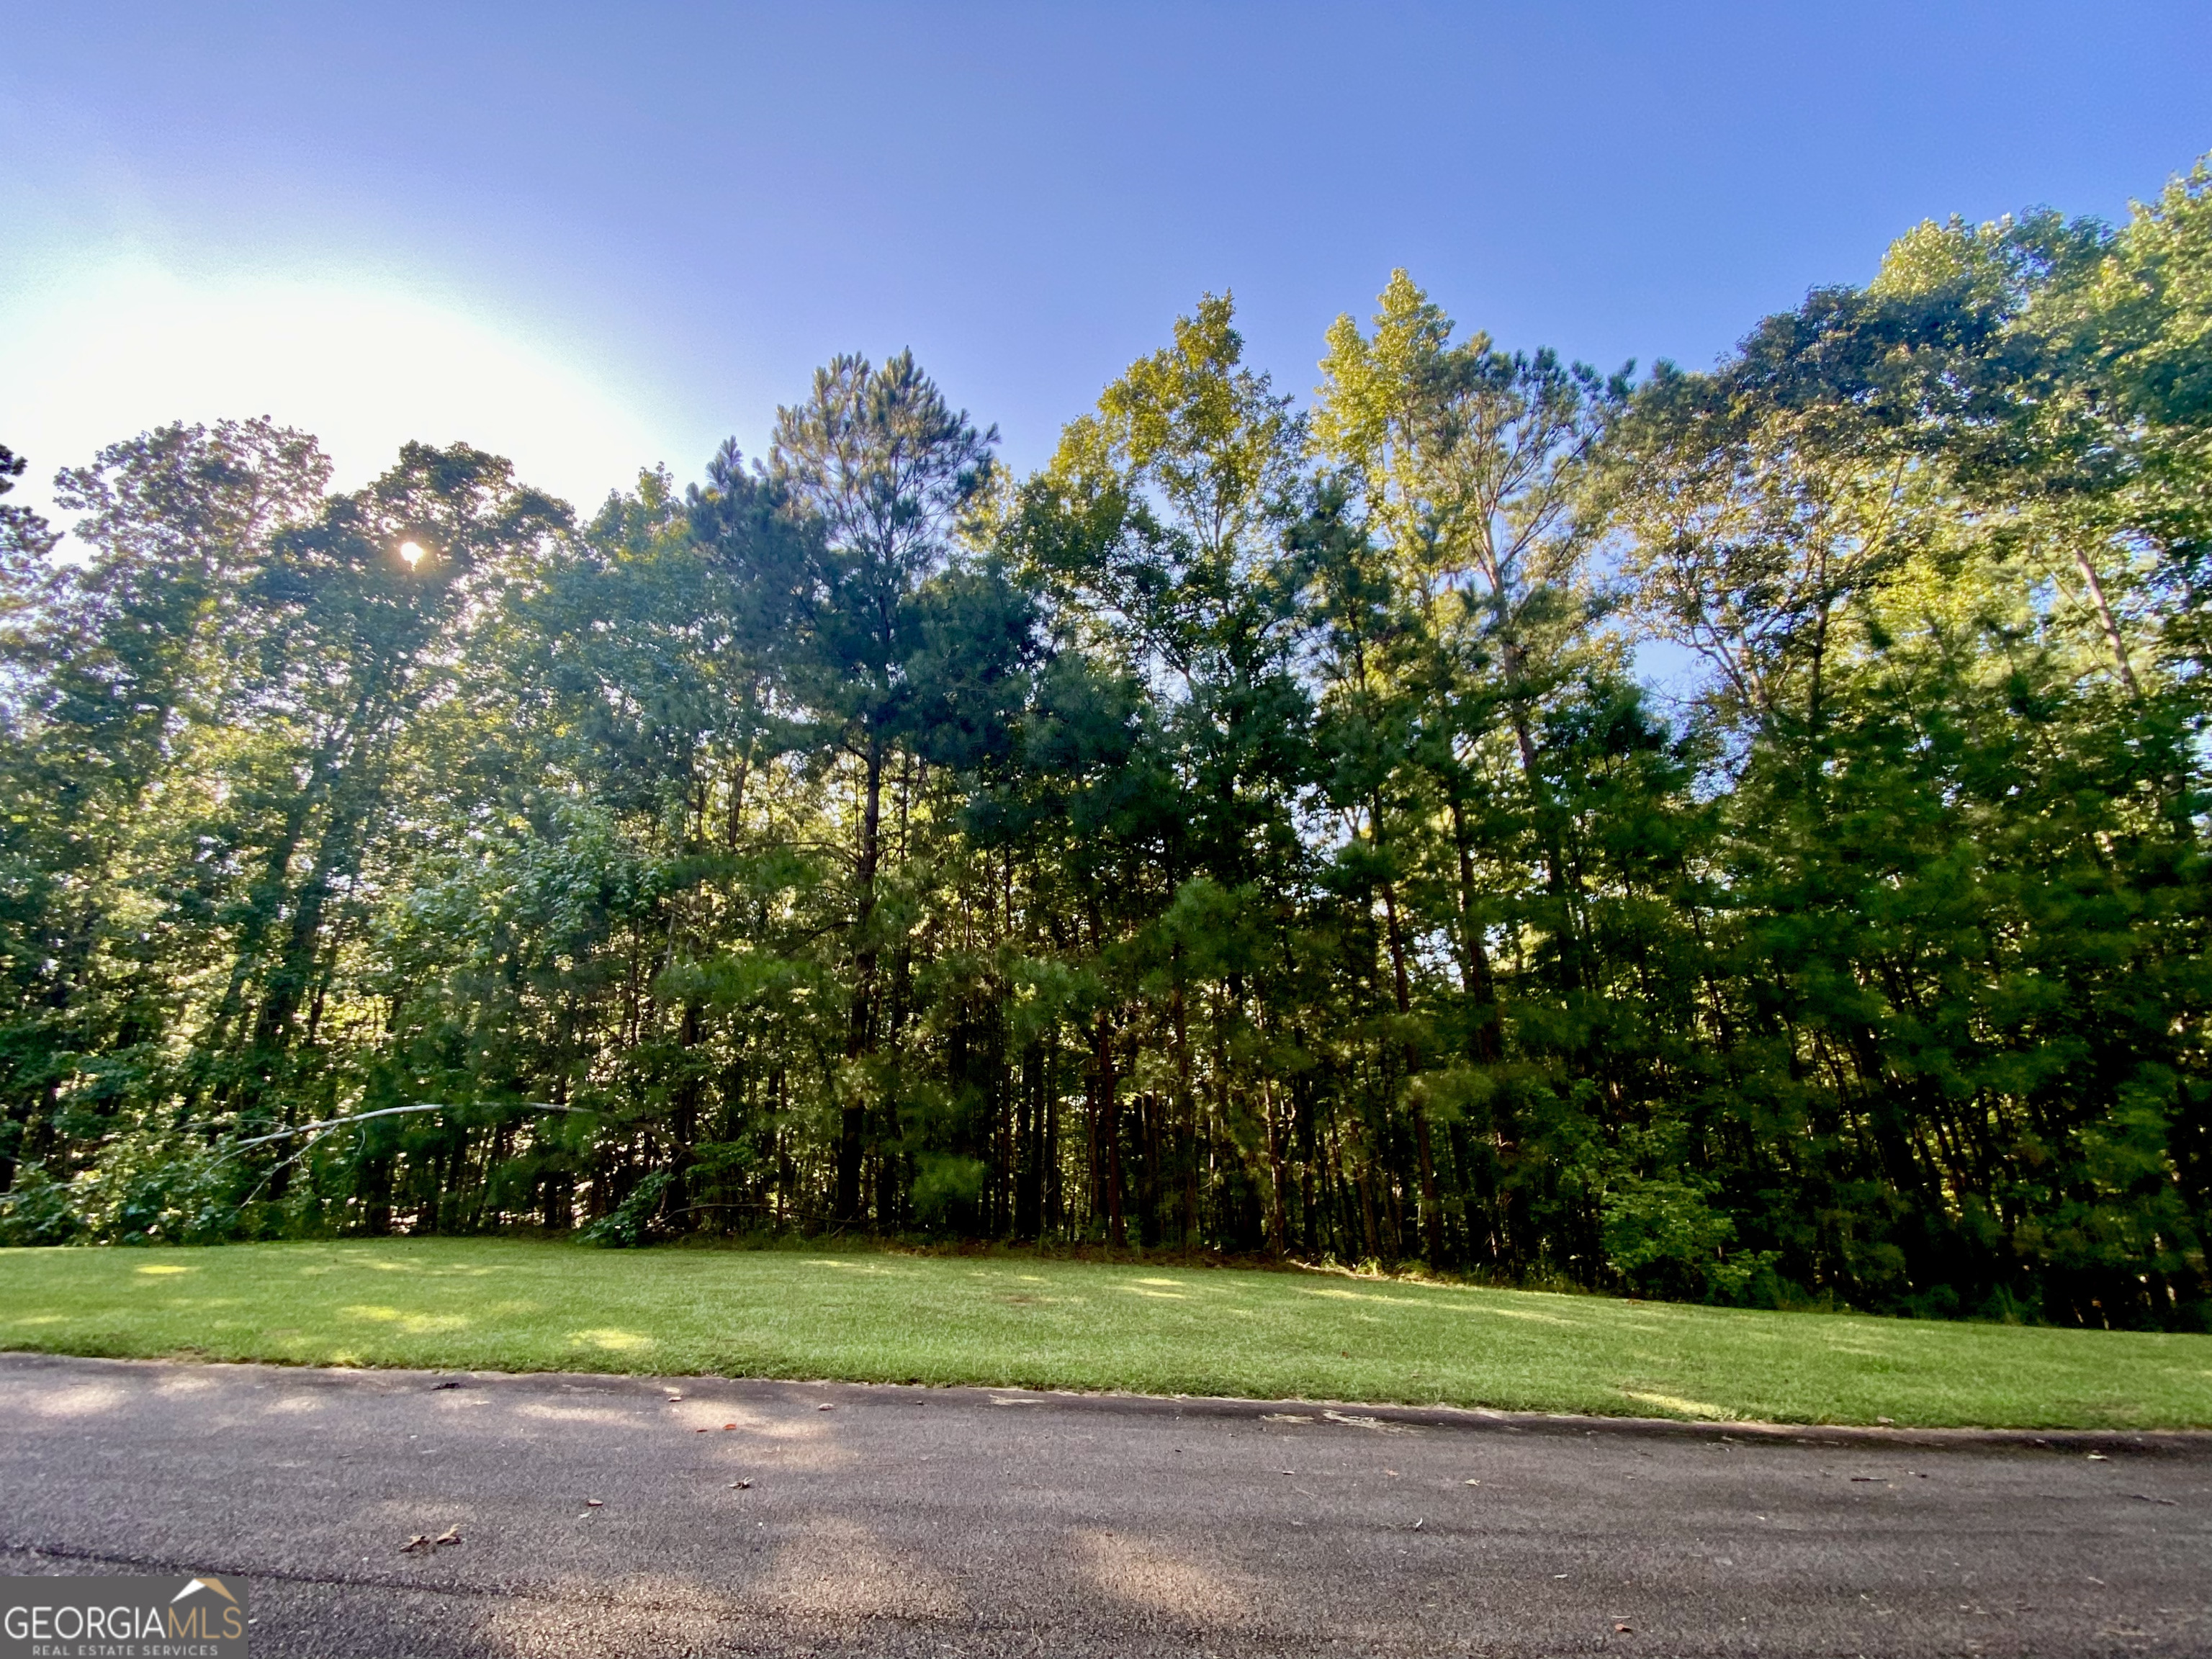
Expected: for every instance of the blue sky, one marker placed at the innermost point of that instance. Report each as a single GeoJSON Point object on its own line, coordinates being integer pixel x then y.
{"type": "Point", "coordinates": [596, 238]}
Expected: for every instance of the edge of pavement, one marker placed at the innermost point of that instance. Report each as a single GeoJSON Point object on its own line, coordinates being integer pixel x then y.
{"type": "Point", "coordinates": [1368, 1416]}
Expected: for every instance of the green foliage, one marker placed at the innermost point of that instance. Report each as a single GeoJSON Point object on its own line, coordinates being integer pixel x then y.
{"type": "Point", "coordinates": [626, 1225]}
{"type": "Point", "coordinates": [40, 1210]}
{"type": "Point", "coordinates": [1246, 833]}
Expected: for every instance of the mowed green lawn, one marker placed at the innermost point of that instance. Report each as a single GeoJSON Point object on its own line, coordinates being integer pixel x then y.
{"type": "Point", "coordinates": [872, 1317]}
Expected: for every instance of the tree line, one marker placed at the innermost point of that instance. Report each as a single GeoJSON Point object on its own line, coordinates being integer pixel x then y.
{"type": "Point", "coordinates": [1250, 833]}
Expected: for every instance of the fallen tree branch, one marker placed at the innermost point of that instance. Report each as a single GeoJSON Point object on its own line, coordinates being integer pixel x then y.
{"type": "Point", "coordinates": [389, 1112]}
{"type": "Point", "coordinates": [329, 1124]}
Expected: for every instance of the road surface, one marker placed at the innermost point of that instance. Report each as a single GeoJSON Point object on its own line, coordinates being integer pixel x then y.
{"type": "Point", "coordinates": [770, 1517]}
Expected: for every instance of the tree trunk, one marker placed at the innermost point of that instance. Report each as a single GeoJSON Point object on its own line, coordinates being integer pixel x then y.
{"type": "Point", "coordinates": [2106, 620]}
{"type": "Point", "coordinates": [737, 798]}
{"type": "Point", "coordinates": [859, 1036]}
{"type": "Point", "coordinates": [1431, 1212]}
{"type": "Point", "coordinates": [1107, 1105]}
{"type": "Point", "coordinates": [1186, 1107]}
{"type": "Point", "coordinates": [1485, 1041]}
{"type": "Point", "coordinates": [1278, 1225]}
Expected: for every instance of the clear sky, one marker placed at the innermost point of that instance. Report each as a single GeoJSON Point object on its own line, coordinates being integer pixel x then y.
{"type": "Point", "coordinates": [594, 238]}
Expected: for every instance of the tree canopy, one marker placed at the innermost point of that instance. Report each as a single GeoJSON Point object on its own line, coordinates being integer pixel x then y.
{"type": "Point", "coordinates": [1249, 834]}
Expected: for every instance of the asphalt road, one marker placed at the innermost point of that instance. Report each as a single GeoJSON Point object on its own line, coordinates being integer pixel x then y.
{"type": "Point", "coordinates": [982, 1522]}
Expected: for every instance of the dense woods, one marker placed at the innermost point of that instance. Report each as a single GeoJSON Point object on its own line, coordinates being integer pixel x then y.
{"type": "Point", "coordinates": [1249, 834]}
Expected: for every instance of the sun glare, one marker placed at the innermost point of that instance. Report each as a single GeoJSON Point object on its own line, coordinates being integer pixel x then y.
{"type": "Point", "coordinates": [116, 350]}
{"type": "Point", "coordinates": [412, 552]}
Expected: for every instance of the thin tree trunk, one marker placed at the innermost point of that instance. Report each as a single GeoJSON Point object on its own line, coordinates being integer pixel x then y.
{"type": "Point", "coordinates": [1186, 1106]}
{"type": "Point", "coordinates": [1432, 1210]}
{"type": "Point", "coordinates": [738, 797]}
{"type": "Point", "coordinates": [1278, 1225]}
{"type": "Point", "coordinates": [1485, 1041]}
{"type": "Point", "coordinates": [859, 1036]}
{"type": "Point", "coordinates": [2105, 620]}
{"type": "Point", "coordinates": [1108, 1107]}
